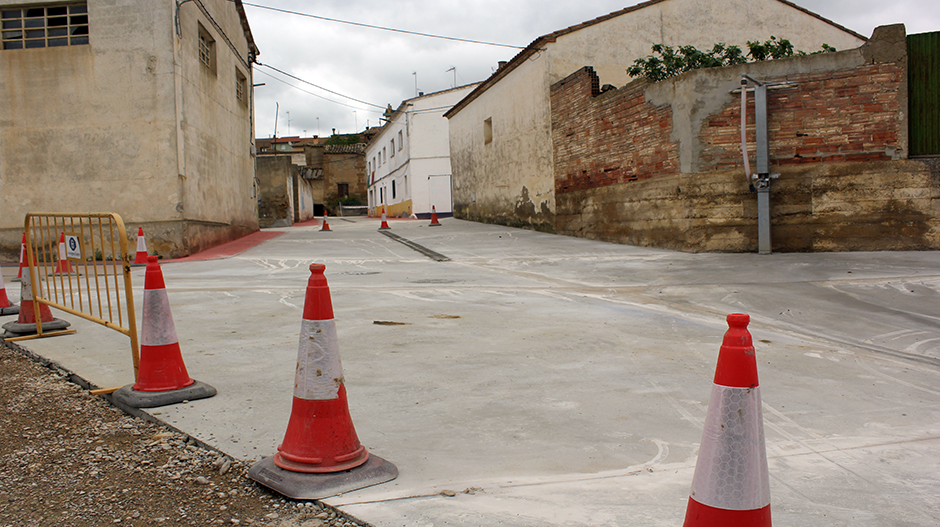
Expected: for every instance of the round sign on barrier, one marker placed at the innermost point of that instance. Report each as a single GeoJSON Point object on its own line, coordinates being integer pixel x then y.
{"type": "Point", "coordinates": [73, 247]}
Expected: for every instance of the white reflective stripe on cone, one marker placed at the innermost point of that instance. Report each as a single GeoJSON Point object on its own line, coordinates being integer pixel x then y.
{"type": "Point", "coordinates": [319, 371]}
{"type": "Point", "coordinates": [141, 245]}
{"type": "Point", "coordinates": [26, 291]}
{"type": "Point", "coordinates": [731, 471]}
{"type": "Point", "coordinates": [63, 256]}
{"type": "Point", "coordinates": [157, 328]}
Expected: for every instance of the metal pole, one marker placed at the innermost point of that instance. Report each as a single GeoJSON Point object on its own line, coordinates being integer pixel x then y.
{"type": "Point", "coordinates": [763, 169]}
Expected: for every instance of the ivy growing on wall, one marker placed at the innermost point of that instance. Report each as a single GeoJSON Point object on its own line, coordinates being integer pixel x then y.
{"type": "Point", "coordinates": [669, 62]}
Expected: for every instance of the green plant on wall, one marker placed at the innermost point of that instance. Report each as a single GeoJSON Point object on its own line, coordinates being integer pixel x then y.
{"type": "Point", "coordinates": [668, 61]}
{"type": "Point", "coordinates": [343, 139]}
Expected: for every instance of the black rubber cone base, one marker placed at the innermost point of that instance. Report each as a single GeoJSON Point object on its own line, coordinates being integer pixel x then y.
{"type": "Point", "coordinates": [306, 486]}
{"type": "Point", "coordinates": [9, 310]}
{"type": "Point", "coordinates": [137, 399]}
{"type": "Point", "coordinates": [17, 329]}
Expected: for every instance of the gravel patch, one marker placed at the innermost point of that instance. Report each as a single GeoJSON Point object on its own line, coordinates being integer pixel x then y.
{"type": "Point", "coordinates": [69, 458]}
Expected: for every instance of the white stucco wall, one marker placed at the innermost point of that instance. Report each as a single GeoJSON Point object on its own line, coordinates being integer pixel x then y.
{"type": "Point", "coordinates": [424, 154]}
{"type": "Point", "coordinates": [129, 124]}
{"type": "Point", "coordinates": [511, 180]}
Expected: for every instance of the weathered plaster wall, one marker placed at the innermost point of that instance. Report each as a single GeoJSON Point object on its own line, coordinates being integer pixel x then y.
{"type": "Point", "coordinates": [94, 128]}
{"type": "Point", "coordinates": [215, 129]}
{"type": "Point", "coordinates": [91, 127]}
{"type": "Point", "coordinates": [508, 180]}
{"type": "Point", "coordinates": [660, 164]}
{"type": "Point", "coordinates": [275, 190]}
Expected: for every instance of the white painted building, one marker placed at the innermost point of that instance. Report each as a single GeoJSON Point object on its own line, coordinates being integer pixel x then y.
{"type": "Point", "coordinates": [501, 133]}
{"type": "Point", "coordinates": [408, 161]}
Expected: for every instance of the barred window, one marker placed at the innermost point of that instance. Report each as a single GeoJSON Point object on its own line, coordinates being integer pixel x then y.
{"type": "Point", "coordinates": [42, 27]}
{"type": "Point", "coordinates": [206, 48]}
{"type": "Point", "coordinates": [241, 83]}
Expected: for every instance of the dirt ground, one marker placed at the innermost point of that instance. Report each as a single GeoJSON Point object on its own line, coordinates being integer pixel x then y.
{"type": "Point", "coordinates": [69, 458]}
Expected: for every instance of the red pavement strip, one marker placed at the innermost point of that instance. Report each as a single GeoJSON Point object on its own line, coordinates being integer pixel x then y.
{"type": "Point", "coordinates": [229, 249]}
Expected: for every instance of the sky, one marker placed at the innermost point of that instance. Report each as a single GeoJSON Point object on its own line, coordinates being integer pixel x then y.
{"type": "Point", "coordinates": [379, 68]}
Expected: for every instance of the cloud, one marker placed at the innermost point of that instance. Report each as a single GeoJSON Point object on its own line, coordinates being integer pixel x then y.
{"type": "Point", "coordinates": [378, 66]}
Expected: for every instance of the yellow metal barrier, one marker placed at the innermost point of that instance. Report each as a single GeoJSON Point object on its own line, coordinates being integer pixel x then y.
{"type": "Point", "coordinates": [76, 262]}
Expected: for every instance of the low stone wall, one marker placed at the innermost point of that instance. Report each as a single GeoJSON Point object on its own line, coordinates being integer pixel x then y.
{"type": "Point", "coordinates": [886, 205]}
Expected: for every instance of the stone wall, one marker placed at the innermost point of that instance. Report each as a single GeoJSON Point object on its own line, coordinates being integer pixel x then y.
{"type": "Point", "coordinates": [275, 176]}
{"type": "Point", "coordinates": [660, 164]}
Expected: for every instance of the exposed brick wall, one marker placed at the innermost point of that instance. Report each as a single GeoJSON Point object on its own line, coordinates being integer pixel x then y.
{"type": "Point", "coordinates": [660, 164]}
{"type": "Point", "coordinates": [829, 117]}
{"type": "Point", "coordinates": [608, 138]}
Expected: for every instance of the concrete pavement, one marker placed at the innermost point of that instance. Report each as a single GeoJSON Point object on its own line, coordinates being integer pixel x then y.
{"type": "Point", "coordinates": [549, 380]}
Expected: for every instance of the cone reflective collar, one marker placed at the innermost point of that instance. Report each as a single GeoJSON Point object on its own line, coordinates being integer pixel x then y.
{"type": "Point", "coordinates": [731, 485]}
{"type": "Point", "coordinates": [321, 454]}
{"type": "Point", "coordinates": [23, 264]}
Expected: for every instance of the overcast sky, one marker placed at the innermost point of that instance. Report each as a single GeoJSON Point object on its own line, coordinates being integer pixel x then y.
{"type": "Point", "coordinates": [382, 68]}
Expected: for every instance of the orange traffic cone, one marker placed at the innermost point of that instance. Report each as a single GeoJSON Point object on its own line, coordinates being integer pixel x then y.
{"type": "Point", "coordinates": [62, 266]}
{"type": "Point", "coordinates": [731, 485]}
{"type": "Point", "coordinates": [434, 222]}
{"type": "Point", "coordinates": [19, 274]}
{"type": "Point", "coordinates": [26, 322]}
{"type": "Point", "coordinates": [326, 226]}
{"type": "Point", "coordinates": [141, 258]}
{"type": "Point", "coordinates": [162, 378]}
{"type": "Point", "coordinates": [6, 307]}
{"type": "Point", "coordinates": [384, 220]}
{"type": "Point", "coordinates": [321, 455]}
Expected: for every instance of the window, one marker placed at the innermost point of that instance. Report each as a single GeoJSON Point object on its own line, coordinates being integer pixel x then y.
{"type": "Point", "coordinates": [342, 190]}
{"type": "Point", "coordinates": [206, 49]}
{"type": "Point", "coordinates": [393, 189]}
{"type": "Point", "coordinates": [44, 27]}
{"type": "Point", "coordinates": [393, 148]}
{"type": "Point", "coordinates": [400, 142]}
{"type": "Point", "coordinates": [488, 131]}
{"type": "Point", "coordinates": [241, 87]}
{"type": "Point", "coordinates": [384, 155]}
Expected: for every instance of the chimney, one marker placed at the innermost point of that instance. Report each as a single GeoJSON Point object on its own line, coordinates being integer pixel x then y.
{"type": "Point", "coordinates": [501, 64]}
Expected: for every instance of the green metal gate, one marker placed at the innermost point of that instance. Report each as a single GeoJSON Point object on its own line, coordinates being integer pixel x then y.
{"type": "Point", "coordinates": [923, 60]}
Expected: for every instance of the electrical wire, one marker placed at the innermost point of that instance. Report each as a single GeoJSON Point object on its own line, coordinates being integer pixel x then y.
{"type": "Point", "coordinates": [314, 94]}
{"type": "Point", "coordinates": [319, 87]}
{"type": "Point", "coordinates": [359, 24]}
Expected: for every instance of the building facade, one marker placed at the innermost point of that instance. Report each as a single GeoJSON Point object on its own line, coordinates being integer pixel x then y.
{"type": "Point", "coordinates": [138, 107]}
{"type": "Point", "coordinates": [408, 160]}
{"type": "Point", "coordinates": [501, 133]}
